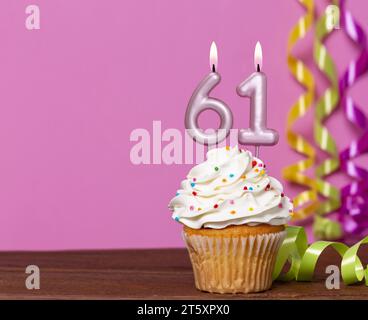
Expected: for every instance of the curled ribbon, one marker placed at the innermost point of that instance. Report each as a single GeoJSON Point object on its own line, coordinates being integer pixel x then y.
{"type": "Point", "coordinates": [354, 208]}
{"type": "Point", "coordinates": [303, 259]}
{"type": "Point", "coordinates": [325, 106]}
{"type": "Point", "coordinates": [306, 202]}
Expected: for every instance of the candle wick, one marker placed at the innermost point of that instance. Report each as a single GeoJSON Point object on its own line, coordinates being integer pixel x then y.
{"type": "Point", "coordinates": [258, 68]}
{"type": "Point", "coordinates": [213, 68]}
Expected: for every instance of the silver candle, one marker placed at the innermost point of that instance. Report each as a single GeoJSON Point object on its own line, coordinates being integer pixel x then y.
{"type": "Point", "coordinates": [255, 87]}
{"type": "Point", "coordinates": [201, 101]}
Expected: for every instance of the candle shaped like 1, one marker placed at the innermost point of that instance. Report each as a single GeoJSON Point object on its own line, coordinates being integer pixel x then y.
{"type": "Point", "coordinates": [200, 101]}
{"type": "Point", "coordinates": [255, 87]}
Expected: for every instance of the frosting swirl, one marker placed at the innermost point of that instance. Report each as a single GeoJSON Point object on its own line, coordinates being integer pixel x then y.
{"type": "Point", "coordinates": [230, 188]}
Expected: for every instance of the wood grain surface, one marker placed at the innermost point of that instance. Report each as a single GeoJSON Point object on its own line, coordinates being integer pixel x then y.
{"type": "Point", "coordinates": [141, 274]}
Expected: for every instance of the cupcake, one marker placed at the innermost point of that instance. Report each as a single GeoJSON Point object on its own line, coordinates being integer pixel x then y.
{"type": "Point", "coordinates": [233, 217]}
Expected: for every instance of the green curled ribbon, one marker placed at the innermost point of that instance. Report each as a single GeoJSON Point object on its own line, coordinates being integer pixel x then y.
{"type": "Point", "coordinates": [303, 258]}
{"type": "Point", "coordinates": [325, 106]}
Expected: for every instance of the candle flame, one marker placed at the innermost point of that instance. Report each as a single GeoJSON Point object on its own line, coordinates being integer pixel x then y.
{"type": "Point", "coordinates": [213, 56]}
{"type": "Point", "coordinates": [258, 56]}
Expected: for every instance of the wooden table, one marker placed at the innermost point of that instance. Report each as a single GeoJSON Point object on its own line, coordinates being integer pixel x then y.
{"type": "Point", "coordinates": [140, 274]}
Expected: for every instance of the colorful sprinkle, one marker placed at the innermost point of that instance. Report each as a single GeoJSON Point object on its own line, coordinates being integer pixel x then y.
{"type": "Point", "coordinates": [282, 195]}
{"type": "Point", "coordinates": [280, 205]}
{"type": "Point", "coordinates": [231, 201]}
{"type": "Point", "coordinates": [250, 188]}
{"type": "Point", "coordinates": [192, 184]}
{"type": "Point", "coordinates": [194, 179]}
{"type": "Point", "coordinates": [232, 211]}
{"type": "Point", "coordinates": [216, 169]}
{"type": "Point", "coordinates": [191, 208]}
{"type": "Point", "coordinates": [194, 193]}
{"type": "Point", "coordinates": [250, 209]}
{"type": "Point", "coordinates": [244, 176]}
{"type": "Point", "coordinates": [176, 218]}
{"type": "Point", "coordinates": [215, 206]}
{"type": "Point", "coordinates": [256, 170]}
{"type": "Point", "coordinates": [224, 180]}
{"type": "Point", "coordinates": [199, 209]}
{"type": "Point", "coordinates": [254, 163]}
{"type": "Point", "coordinates": [227, 148]}
{"type": "Point", "coordinates": [245, 188]}
{"type": "Point", "coordinates": [262, 172]}
{"type": "Point", "coordinates": [177, 193]}
{"type": "Point", "coordinates": [231, 175]}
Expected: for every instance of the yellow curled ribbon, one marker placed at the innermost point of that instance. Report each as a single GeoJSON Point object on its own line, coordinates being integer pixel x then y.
{"type": "Point", "coordinates": [306, 202]}
{"type": "Point", "coordinates": [325, 106]}
{"type": "Point", "coordinates": [303, 259]}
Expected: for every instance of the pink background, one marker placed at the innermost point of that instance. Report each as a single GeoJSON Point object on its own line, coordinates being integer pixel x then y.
{"type": "Point", "coordinates": [72, 92]}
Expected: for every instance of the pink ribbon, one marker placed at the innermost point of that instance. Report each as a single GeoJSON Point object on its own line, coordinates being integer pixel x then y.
{"type": "Point", "coordinates": [353, 213]}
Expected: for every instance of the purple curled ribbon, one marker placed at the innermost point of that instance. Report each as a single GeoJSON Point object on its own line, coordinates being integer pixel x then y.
{"type": "Point", "coordinates": [353, 213]}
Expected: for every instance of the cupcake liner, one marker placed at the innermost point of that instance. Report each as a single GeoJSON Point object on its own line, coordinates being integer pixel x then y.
{"type": "Point", "coordinates": [240, 264]}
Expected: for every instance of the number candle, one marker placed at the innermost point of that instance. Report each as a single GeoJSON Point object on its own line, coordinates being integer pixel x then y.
{"type": "Point", "coordinates": [200, 101]}
{"type": "Point", "coordinates": [255, 87]}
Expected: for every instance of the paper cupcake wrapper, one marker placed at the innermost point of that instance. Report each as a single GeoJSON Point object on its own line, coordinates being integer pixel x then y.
{"type": "Point", "coordinates": [234, 264]}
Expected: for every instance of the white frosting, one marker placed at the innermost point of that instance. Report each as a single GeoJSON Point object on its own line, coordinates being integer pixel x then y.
{"type": "Point", "coordinates": [230, 188]}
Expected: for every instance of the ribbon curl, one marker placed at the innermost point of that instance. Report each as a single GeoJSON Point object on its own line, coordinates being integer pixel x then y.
{"type": "Point", "coordinates": [303, 259]}
{"type": "Point", "coordinates": [306, 202]}
{"type": "Point", "coordinates": [353, 213]}
{"type": "Point", "coordinates": [325, 106]}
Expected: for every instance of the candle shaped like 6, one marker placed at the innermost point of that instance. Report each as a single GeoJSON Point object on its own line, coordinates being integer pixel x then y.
{"type": "Point", "coordinates": [200, 101]}
{"type": "Point", "coordinates": [255, 87]}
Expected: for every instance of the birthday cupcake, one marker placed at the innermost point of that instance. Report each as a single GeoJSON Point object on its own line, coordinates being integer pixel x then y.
{"type": "Point", "coordinates": [234, 218]}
